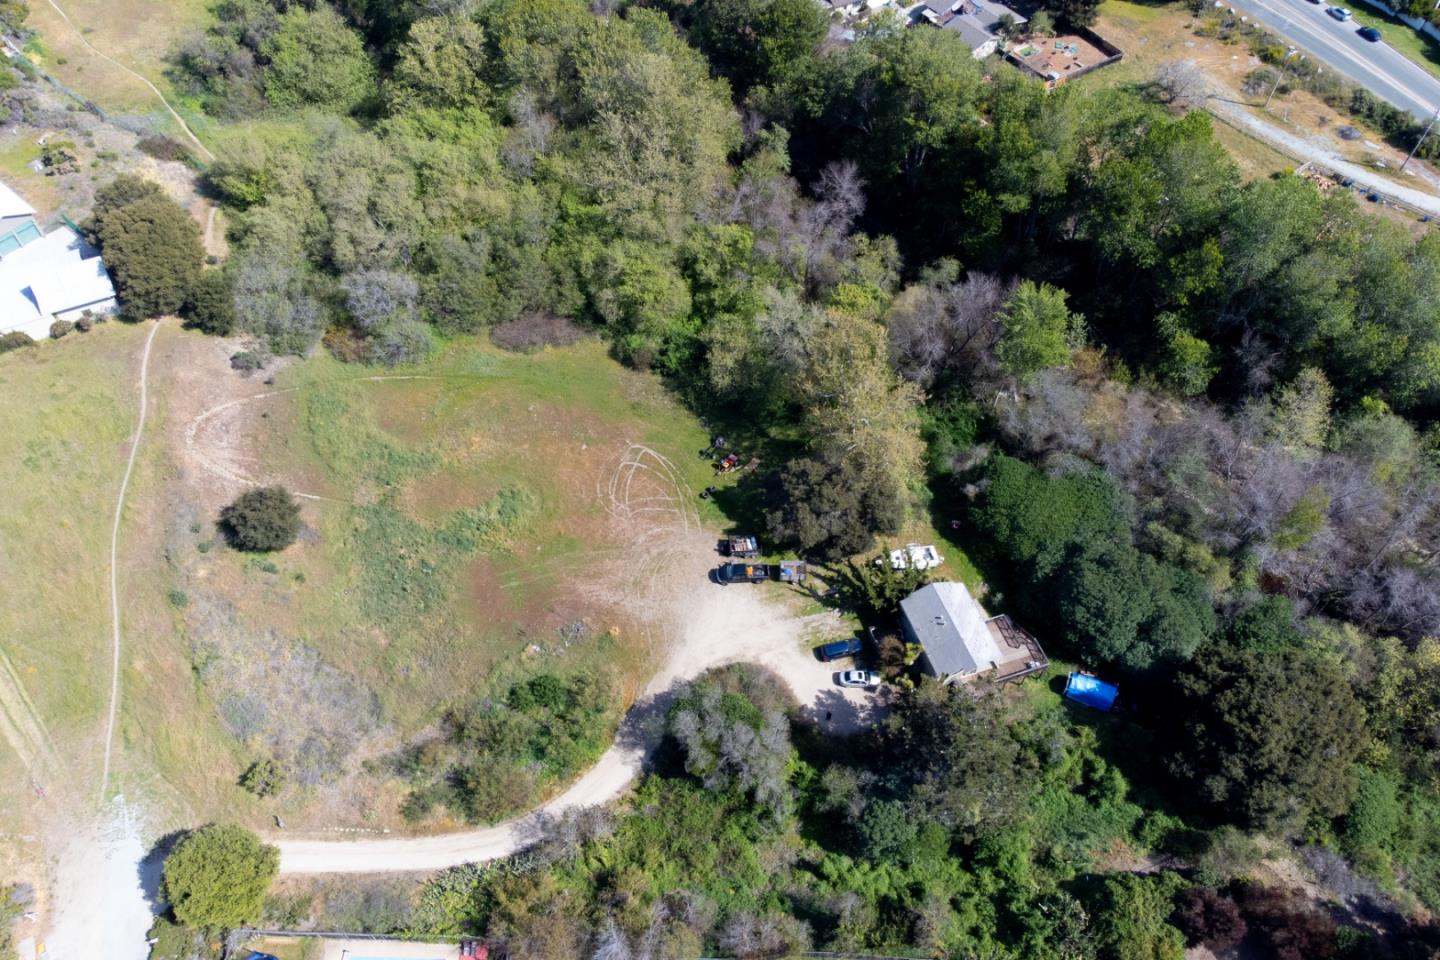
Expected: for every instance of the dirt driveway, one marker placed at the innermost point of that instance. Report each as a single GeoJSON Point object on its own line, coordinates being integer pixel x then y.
{"type": "Point", "coordinates": [703, 624]}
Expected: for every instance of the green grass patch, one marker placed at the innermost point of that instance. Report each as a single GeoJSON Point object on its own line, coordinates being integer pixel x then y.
{"type": "Point", "coordinates": [405, 564]}
{"type": "Point", "coordinates": [66, 410]}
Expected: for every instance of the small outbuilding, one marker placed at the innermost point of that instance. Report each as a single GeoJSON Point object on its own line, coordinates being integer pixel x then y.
{"type": "Point", "coordinates": [961, 642]}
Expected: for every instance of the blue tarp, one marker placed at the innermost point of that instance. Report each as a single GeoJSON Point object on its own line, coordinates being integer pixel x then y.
{"type": "Point", "coordinates": [1083, 688]}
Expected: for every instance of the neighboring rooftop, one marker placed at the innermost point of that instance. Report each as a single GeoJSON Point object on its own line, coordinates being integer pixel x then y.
{"type": "Point", "coordinates": [950, 625]}
{"type": "Point", "coordinates": [12, 205]}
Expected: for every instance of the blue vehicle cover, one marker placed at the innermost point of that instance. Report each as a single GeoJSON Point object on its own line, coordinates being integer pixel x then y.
{"type": "Point", "coordinates": [1091, 691]}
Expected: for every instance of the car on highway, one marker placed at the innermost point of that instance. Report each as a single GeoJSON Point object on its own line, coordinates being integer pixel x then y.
{"type": "Point", "coordinates": [839, 648]}
{"type": "Point", "coordinates": [1339, 13]}
{"type": "Point", "coordinates": [1370, 33]}
{"type": "Point", "coordinates": [865, 679]}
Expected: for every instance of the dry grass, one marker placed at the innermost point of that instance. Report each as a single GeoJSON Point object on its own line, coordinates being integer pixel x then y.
{"type": "Point", "coordinates": [1256, 159]}
{"type": "Point", "coordinates": [66, 410]}
{"type": "Point", "coordinates": [361, 635]}
{"type": "Point", "coordinates": [139, 34]}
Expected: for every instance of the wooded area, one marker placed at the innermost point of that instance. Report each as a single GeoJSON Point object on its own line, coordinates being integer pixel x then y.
{"type": "Point", "coordinates": [1187, 423]}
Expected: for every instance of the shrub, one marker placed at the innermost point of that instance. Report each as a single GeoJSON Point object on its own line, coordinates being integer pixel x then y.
{"type": "Point", "coordinates": [534, 331]}
{"type": "Point", "coordinates": [59, 328]}
{"type": "Point", "coordinates": [14, 341]}
{"type": "Point", "coordinates": [1285, 926]}
{"type": "Point", "coordinates": [247, 361]}
{"type": "Point", "coordinates": [1132, 921]}
{"type": "Point", "coordinates": [217, 877]}
{"type": "Point", "coordinates": [85, 322]}
{"type": "Point", "coordinates": [161, 148]}
{"type": "Point", "coordinates": [887, 829]}
{"type": "Point", "coordinates": [1206, 916]}
{"type": "Point", "coordinates": [263, 778]}
{"type": "Point", "coordinates": [150, 243]}
{"type": "Point", "coordinates": [262, 520]}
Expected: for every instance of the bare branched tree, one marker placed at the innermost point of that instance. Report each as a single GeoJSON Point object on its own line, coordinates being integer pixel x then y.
{"type": "Point", "coordinates": [1179, 83]}
{"type": "Point", "coordinates": [949, 328]}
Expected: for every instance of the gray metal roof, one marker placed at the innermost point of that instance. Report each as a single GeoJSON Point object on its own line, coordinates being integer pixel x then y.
{"type": "Point", "coordinates": [951, 626]}
{"type": "Point", "coordinates": [974, 36]}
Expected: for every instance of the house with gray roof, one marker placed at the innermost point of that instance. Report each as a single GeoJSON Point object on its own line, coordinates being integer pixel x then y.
{"type": "Point", "coordinates": [977, 22]}
{"type": "Point", "coordinates": [960, 641]}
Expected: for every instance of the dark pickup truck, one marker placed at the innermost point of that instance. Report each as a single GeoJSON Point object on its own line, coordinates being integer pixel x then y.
{"type": "Point", "coordinates": [743, 573]}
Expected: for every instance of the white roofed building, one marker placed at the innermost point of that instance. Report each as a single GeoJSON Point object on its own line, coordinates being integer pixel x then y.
{"type": "Point", "coordinates": [57, 276]}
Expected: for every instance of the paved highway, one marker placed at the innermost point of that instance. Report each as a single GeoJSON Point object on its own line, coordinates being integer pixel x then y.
{"type": "Point", "coordinates": [1375, 66]}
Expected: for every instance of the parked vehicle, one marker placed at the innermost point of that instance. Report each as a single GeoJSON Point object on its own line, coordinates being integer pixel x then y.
{"type": "Point", "coordinates": [745, 548]}
{"type": "Point", "coordinates": [742, 573]}
{"type": "Point", "coordinates": [1371, 34]}
{"type": "Point", "coordinates": [837, 649]}
{"type": "Point", "coordinates": [1090, 690]}
{"type": "Point", "coordinates": [914, 555]}
{"type": "Point", "coordinates": [865, 679]}
{"type": "Point", "coordinates": [1339, 13]}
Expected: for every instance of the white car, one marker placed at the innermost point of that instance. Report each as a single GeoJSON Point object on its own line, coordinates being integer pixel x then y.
{"type": "Point", "coordinates": [867, 679]}
{"type": "Point", "coordinates": [1339, 13]}
{"type": "Point", "coordinates": [917, 556]}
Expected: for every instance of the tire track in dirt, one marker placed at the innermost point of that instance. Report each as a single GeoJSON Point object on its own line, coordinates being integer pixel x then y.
{"type": "Point", "coordinates": [228, 468]}
{"type": "Point", "coordinates": [20, 724]}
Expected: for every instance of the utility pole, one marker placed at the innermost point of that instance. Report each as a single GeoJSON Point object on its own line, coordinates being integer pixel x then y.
{"type": "Point", "coordinates": [1280, 76]}
{"type": "Point", "coordinates": [1415, 149]}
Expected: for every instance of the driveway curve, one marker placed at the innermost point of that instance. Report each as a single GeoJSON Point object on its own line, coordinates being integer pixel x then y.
{"type": "Point", "coordinates": [712, 626]}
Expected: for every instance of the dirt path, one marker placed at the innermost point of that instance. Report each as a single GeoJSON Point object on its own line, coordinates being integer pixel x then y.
{"type": "Point", "coordinates": [707, 625]}
{"type": "Point", "coordinates": [204, 151]}
{"type": "Point", "coordinates": [115, 636]}
{"type": "Point", "coordinates": [101, 907]}
{"type": "Point", "coordinates": [722, 625]}
{"type": "Point", "coordinates": [212, 437]}
{"type": "Point", "coordinates": [1302, 148]}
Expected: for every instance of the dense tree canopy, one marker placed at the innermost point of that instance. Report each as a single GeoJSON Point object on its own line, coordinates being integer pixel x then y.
{"type": "Point", "coordinates": [1268, 738]}
{"type": "Point", "coordinates": [151, 246]}
{"type": "Point", "coordinates": [1180, 420]}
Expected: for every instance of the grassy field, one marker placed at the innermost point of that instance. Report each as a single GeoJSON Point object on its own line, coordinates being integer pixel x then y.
{"type": "Point", "coordinates": [460, 544]}
{"type": "Point", "coordinates": [460, 539]}
{"type": "Point", "coordinates": [66, 410]}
